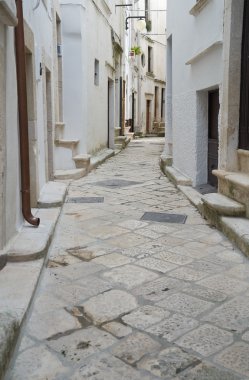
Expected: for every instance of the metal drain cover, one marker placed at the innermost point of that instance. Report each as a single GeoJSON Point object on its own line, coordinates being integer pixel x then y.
{"type": "Point", "coordinates": [116, 183]}
{"type": "Point", "coordinates": [164, 218]}
{"type": "Point", "coordinates": [85, 200]}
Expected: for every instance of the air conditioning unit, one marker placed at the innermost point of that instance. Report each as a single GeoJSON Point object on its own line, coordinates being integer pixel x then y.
{"type": "Point", "coordinates": [59, 50]}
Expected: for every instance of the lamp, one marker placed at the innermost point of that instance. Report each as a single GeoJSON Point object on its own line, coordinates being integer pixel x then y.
{"type": "Point", "coordinates": [141, 24]}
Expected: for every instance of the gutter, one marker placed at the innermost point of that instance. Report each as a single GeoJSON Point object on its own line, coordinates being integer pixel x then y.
{"type": "Point", "coordinates": [23, 118]}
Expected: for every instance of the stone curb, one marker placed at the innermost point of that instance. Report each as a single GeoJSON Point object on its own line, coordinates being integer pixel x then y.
{"type": "Point", "coordinates": [100, 158]}
{"type": "Point", "coordinates": [20, 276]}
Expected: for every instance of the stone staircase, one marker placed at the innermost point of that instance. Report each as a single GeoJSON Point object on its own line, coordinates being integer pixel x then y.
{"type": "Point", "coordinates": [228, 210]}
{"type": "Point", "coordinates": [81, 161]}
{"type": "Point", "coordinates": [159, 128]}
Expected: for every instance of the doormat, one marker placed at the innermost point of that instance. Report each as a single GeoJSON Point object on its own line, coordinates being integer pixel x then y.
{"type": "Point", "coordinates": [164, 218]}
{"type": "Point", "coordinates": [116, 183]}
{"type": "Point", "coordinates": [85, 200]}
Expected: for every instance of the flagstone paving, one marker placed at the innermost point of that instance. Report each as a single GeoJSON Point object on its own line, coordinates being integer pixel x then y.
{"type": "Point", "coordinates": [126, 298]}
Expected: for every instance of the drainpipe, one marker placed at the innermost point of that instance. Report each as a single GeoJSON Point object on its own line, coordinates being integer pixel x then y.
{"type": "Point", "coordinates": [23, 118]}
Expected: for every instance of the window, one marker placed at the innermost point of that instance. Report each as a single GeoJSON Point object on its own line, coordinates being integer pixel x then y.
{"type": "Point", "coordinates": [96, 72]}
{"type": "Point", "coordinates": [156, 101]}
{"type": "Point", "coordinates": [163, 104]}
{"type": "Point", "coordinates": [150, 59]}
{"type": "Point", "coordinates": [143, 59]}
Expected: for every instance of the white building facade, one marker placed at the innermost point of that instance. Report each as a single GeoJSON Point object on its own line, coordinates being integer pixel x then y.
{"type": "Point", "coordinates": [42, 80]}
{"type": "Point", "coordinates": [93, 66]}
{"type": "Point", "coordinates": [194, 78]}
{"type": "Point", "coordinates": [146, 71]}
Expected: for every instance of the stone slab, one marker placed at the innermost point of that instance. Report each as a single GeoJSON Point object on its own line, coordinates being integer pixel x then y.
{"type": "Point", "coordinates": [129, 276]}
{"type": "Point", "coordinates": [232, 315]}
{"type": "Point", "coordinates": [113, 260]}
{"type": "Point", "coordinates": [235, 358]}
{"type": "Point", "coordinates": [206, 340]}
{"type": "Point", "coordinates": [81, 344]}
{"type": "Point", "coordinates": [117, 329]}
{"type": "Point", "coordinates": [224, 284]}
{"type": "Point", "coordinates": [145, 316]}
{"type": "Point", "coordinates": [109, 306]}
{"type": "Point", "coordinates": [206, 371]}
{"type": "Point", "coordinates": [134, 347]}
{"type": "Point", "coordinates": [185, 304]}
{"type": "Point", "coordinates": [156, 264]}
{"type": "Point", "coordinates": [173, 327]}
{"type": "Point", "coordinates": [168, 363]}
{"type": "Point", "coordinates": [38, 363]}
{"type": "Point", "coordinates": [156, 290]}
{"type": "Point", "coordinates": [105, 367]}
{"type": "Point", "coordinates": [45, 325]}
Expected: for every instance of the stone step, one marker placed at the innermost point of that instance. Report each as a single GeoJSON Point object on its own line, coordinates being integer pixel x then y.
{"type": "Point", "coordinates": [223, 205]}
{"type": "Point", "coordinates": [177, 177]}
{"type": "Point", "coordinates": [234, 185]}
{"type": "Point", "coordinates": [82, 161]}
{"type": "Point", "coordinates": [70, 144]}
{"type": "Point", "coordinates": [52, 195]}
{"type": "Point", "coordinates": [70, 174]}
{"type": "Point", "coordinates": [59, 128]}
{"type": "Point", "coordinates": [237, 230]}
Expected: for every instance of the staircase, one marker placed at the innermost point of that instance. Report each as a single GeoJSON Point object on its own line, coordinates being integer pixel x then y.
{"type": "Point", "coordinates": [81, 161]}
{"type": "Point", "coordinates": [228, 210]}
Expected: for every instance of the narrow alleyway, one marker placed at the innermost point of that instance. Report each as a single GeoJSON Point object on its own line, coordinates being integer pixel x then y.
{"type": "Point", "coordinates": [125, 297]}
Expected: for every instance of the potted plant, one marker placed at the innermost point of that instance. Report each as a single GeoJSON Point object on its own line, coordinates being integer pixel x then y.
{"type": "Point", "coordinates": [136, 50]}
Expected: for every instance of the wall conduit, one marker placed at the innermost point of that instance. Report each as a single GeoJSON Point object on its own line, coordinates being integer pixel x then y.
{"type": "Point", "coordinates": [23, 117]}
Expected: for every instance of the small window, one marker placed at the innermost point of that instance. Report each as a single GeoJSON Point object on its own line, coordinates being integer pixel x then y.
{"type": "Point", "coordinates": [143, 60]}
{"type": "Point", "coordinates": [96, 72]}
{"type": "Point", "coordinates": [150, 59]}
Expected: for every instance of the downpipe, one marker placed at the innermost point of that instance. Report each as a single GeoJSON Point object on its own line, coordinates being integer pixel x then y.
{"type": "Point", "coordinates": [23, 118]}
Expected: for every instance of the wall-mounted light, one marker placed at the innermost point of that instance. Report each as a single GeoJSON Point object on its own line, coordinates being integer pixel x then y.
{"type": "Point", "coordinates": [141, 23]}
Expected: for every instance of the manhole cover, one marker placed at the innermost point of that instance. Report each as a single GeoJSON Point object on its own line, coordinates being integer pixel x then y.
{"type": "Point", "coordinates": [164, 218]}
{"type": "Point", "coordinates": [85, 200]}
{"type": "Point", "coordinates": [116, 183]}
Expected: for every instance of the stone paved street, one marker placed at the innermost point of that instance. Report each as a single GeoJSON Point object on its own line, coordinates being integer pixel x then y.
{"type": "Point", "coordinates": [126, 298]}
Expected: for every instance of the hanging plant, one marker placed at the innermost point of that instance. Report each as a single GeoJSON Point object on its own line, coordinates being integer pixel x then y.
{"type": "Point", "coordinates": [136, 50]}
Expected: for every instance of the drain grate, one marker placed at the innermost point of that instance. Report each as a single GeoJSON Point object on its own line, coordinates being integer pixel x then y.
{"type": "Point", "coordinates": [116, 183]}
{"type": "Point", "coordinates": [164, 218]}
{"type": "Point", "coordinates": [85, 200]}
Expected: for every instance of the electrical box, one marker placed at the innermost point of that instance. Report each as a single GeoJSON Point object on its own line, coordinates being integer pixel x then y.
{"type": "Point", "coordinates": [8, 12]}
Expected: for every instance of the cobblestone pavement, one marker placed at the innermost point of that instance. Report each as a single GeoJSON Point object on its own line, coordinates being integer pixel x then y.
{"type": "Point", "coordinates": [126, 298]}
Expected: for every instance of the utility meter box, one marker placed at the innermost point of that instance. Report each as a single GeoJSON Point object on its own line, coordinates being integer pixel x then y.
{"type": "Point", "coordinates": [8, 12]}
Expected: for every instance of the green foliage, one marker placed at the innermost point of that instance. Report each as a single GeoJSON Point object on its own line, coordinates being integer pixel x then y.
{"type": "Point", "coordinates": [136, 49]}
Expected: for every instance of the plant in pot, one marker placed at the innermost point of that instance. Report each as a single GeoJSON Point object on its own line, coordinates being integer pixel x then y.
{"type": "Point", "coordinates": [136, 50]}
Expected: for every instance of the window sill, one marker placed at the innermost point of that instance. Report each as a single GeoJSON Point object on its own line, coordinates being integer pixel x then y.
{"type": "Point", "coordinates": [197, 8]}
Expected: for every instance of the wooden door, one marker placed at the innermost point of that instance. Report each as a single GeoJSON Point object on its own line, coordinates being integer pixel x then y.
{"type": "Point", "coordinates": [148, 116]}
{"type": "Point", "coordinates": [213, 116]}
{"type": "Point", "coordinates": [244, 91]}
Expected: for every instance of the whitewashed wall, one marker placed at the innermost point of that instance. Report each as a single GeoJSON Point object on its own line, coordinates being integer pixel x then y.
{"type": "Point", "coordinates": [190, 36]}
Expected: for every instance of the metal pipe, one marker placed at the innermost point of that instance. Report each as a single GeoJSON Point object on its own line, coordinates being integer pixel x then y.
{"type": "Point", "coordinates": [23, 117]}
